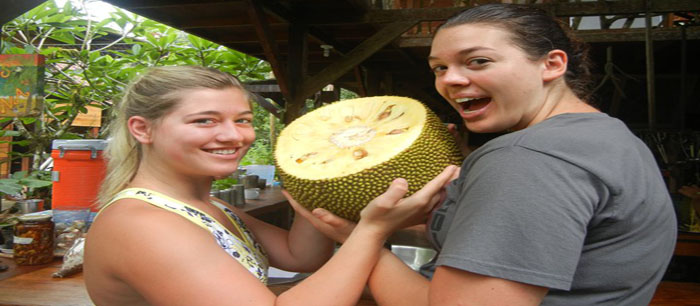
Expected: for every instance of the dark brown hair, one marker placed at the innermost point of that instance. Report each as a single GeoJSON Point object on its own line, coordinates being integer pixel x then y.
{"type": "Point", "coordinates": [536, 33]}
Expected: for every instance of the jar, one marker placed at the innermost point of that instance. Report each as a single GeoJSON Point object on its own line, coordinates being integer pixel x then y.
{"type": "Point", "coordinates": [33, 240]}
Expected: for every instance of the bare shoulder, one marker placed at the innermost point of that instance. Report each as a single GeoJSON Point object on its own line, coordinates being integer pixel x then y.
{"type": "Point", "coordinates": [124, 231]}
{"type": "Point", "coordinates": [133, 245]}
{"type": "Point", "coordinates": [117, 238]}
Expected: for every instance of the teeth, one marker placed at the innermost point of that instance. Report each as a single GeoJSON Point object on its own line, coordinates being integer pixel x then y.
{"type": "Point", "coordinates": [462, 100]}
{"type": "Point", "coordinates": [223, 152]}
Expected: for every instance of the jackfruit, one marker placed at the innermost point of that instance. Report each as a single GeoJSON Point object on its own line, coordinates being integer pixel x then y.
{"type": "Point", "coordinates": [343, 155]}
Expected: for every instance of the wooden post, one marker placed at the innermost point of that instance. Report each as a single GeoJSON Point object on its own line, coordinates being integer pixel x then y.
{"type": "Point", "coordinates": [273, 132]}
{"type": "Point", "coordinates": [684, 75]}
{"type": "Point", "coordinates": [649, 48]}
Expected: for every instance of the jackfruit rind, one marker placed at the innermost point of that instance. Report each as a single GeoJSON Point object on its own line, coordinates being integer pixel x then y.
{"type": "Point", "coordinates": [417, 157]}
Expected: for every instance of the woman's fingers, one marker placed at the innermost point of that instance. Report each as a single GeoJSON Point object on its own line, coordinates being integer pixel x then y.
{"type": "Point", "coordinates": [302, 211]}
{"type": "Point", "coordinates": [437, 184]}
{"type": "Point", "coordinates": [324, 221]}
{"type": "Point", "coordinates": [334, 227]}
{"type": "Point", "coordinates": [396, 191]}
{"type": "Point", "coordinates": [295, 205]}
{"type": "Point", "coordinates": [330, 218]}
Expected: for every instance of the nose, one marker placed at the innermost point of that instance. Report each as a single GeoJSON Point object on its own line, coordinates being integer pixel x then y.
{"type": "Point", "coordinates": [229, 132]}
{"type": "Point", "coordinates": [453, 76]}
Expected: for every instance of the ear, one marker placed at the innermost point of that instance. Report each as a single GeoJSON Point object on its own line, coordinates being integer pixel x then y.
{"type": "Point", "coordinates": [141, 129]}
{"type": "Point", "coordinates": [554, 65]}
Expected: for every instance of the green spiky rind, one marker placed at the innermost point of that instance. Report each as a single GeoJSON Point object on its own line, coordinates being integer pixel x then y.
{"type": "Point", "coordinates": [346, 196]}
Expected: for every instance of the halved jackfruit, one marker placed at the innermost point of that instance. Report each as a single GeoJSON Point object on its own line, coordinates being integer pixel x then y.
{"type": "Point", "coordinates": [343, 155]}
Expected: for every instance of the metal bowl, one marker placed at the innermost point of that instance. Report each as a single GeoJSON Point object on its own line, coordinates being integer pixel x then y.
{"type": "Point", "coordinates": [413, 256]}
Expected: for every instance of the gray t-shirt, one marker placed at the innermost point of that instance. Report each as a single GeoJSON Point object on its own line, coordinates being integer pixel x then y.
{"type": "Point", "coordinates": [575, 203]}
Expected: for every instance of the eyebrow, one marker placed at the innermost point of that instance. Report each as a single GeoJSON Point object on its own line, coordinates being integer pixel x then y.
{"type": "Point", "coordinates": [216, 113]}
{"type": "Point", "coordinates": [464, 51]}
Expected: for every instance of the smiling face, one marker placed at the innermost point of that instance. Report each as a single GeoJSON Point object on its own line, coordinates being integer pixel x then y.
{"type": "Point", "coordinates": [206, 134]}
{"type": "Point", "coordinates": [491, 83]}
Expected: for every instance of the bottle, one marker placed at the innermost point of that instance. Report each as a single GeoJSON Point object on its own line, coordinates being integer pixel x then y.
{"type": "Point", "coordinates": [33, 240]}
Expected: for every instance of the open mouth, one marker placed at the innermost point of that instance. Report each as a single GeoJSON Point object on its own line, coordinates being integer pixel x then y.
{"type": "Point", "coordinates": [471, 105]}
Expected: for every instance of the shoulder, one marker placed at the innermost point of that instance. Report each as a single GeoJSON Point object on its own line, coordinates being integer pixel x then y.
{"type": "Point", "coordinates": [579, 132]}
{"type": "Point", "coordinates": [136, 245]}
{"type": "Point", "coordinates": [591, 141]}
{"type": "Point", "coordinates": [131, 230]}
{"type": "Point", "coordinates": [127, 216]}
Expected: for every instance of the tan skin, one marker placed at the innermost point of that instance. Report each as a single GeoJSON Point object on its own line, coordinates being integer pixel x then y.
{"type": "Point", "coordinates": [474, 61]}
{"type": "Point", "coordinates": [138, 254]}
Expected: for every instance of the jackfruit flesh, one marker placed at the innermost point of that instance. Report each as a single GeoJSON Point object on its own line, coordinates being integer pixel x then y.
{"type": "Point", "coordinates": [344, 154]}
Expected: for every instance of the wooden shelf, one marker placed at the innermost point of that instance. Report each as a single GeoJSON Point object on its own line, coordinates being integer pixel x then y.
{"type": "Point", "coordinates": [687, 244]}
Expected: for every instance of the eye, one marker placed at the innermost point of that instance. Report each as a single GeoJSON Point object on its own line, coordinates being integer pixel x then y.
{"type": "Point", "coordinates": [244, 121]}
{"type": "Point", "coordinates": [438, 68]}
{"type": "Point", "coordinates": [203, 121]}
{"type": "Point", "coordinates": [479, 61]}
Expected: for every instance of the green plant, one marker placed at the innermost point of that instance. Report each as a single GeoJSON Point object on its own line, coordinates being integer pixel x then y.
{"type": "Point", "coordinates": [27, 185]}
{"type": "Point", "coordinates": [89, 63]}
{"type": "Point", "coordinates": [223, 183]}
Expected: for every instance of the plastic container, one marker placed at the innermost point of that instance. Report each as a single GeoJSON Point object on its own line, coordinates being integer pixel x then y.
{"type": "Point", "coordinates": [266, 172]}
{"type": "Point", "coordinates": [33, 240]}
{"type": "Point", "coordinates": [78, 171]}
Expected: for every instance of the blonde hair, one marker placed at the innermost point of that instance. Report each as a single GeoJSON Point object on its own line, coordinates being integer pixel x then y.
{"type": "Point", "coordinates": [152, 96]}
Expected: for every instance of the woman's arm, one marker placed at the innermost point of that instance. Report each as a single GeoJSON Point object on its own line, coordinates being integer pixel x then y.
{"type": "Point", "coordinates": [392, 282]}
{"type": "Point", "coordinates": [301, 249]}
{"type": "Point", "coordinates": [166, 260]}
{"type": "Point", "coordinates": [358, 254]}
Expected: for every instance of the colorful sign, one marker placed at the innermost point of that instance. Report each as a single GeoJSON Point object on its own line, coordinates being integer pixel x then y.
{"type": "Point", "coordinates": [21, 84]}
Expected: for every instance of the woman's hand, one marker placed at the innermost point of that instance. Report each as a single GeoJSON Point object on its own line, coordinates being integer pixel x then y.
{"type": "Point", "coordinates": [324, 221]}
{"type": "Point", "coordinates": [391, 211]}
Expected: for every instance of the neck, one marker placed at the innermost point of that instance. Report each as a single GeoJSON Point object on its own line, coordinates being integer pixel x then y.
{"type": "Point", "coordinates": [560, 99]}
{"type": "Point", "coordinates": [176, 185]}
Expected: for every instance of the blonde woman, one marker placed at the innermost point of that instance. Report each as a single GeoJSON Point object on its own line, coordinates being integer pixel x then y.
{"type": "Point", "coordinates": [160, 239]}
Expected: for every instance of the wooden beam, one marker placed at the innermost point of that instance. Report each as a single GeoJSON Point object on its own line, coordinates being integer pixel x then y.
{"type": "Point", "coordinates": [374, 77]}
{"type": "Point", "coordinates": [627, 35]}
{"type": "Point", "coordinates": [558, 9]}
{"type": "Point", "coordinates": [273, 108]}
{"type": "Point", "coordinates": [364, 5]}
{"type": "Point", "coordinates": [272, 54]}
{"type": "Point", "coordinates": [361, 88]}
{"type": "Point", "coordinates": [283, 13]}
{"type": "Point", "coordinates": [298, 56]}
{"type": "Point", "coordinates": [211, 23]}
{"type": "Point", "coordinates": [297, 62]}
{"type": "Point", "coordinates": [592, 36]}
{"type": "Point", "coordinates": [11, 9]}
{"type": "Point", "coordinates": [360, 53]}
{"type": "Point", "coordinates": [651, 83]}
{"type": "Point", "coordinates": [159, 4]}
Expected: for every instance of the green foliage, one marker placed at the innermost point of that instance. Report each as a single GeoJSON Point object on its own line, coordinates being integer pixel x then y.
{"type": "Point", "coordinates": [347, 94]}
{"type": "Point", "coordinates": [223, 183]}
{"type": "Point", "coordinates": [89, 63]}
{"type": "Point", "coordinates": [26, 184]}
{"type": "Point", "coordinates": [261, 151]}
{"type": "Point", "coordinates": [259, 154]}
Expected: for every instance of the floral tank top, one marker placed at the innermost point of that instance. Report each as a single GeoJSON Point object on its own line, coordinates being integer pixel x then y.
{"type": "Point", "coordinates": [245, 250]}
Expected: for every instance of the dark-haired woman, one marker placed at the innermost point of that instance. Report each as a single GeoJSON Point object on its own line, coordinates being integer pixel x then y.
{"type": "Point", "coordinates": [567, 209]}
